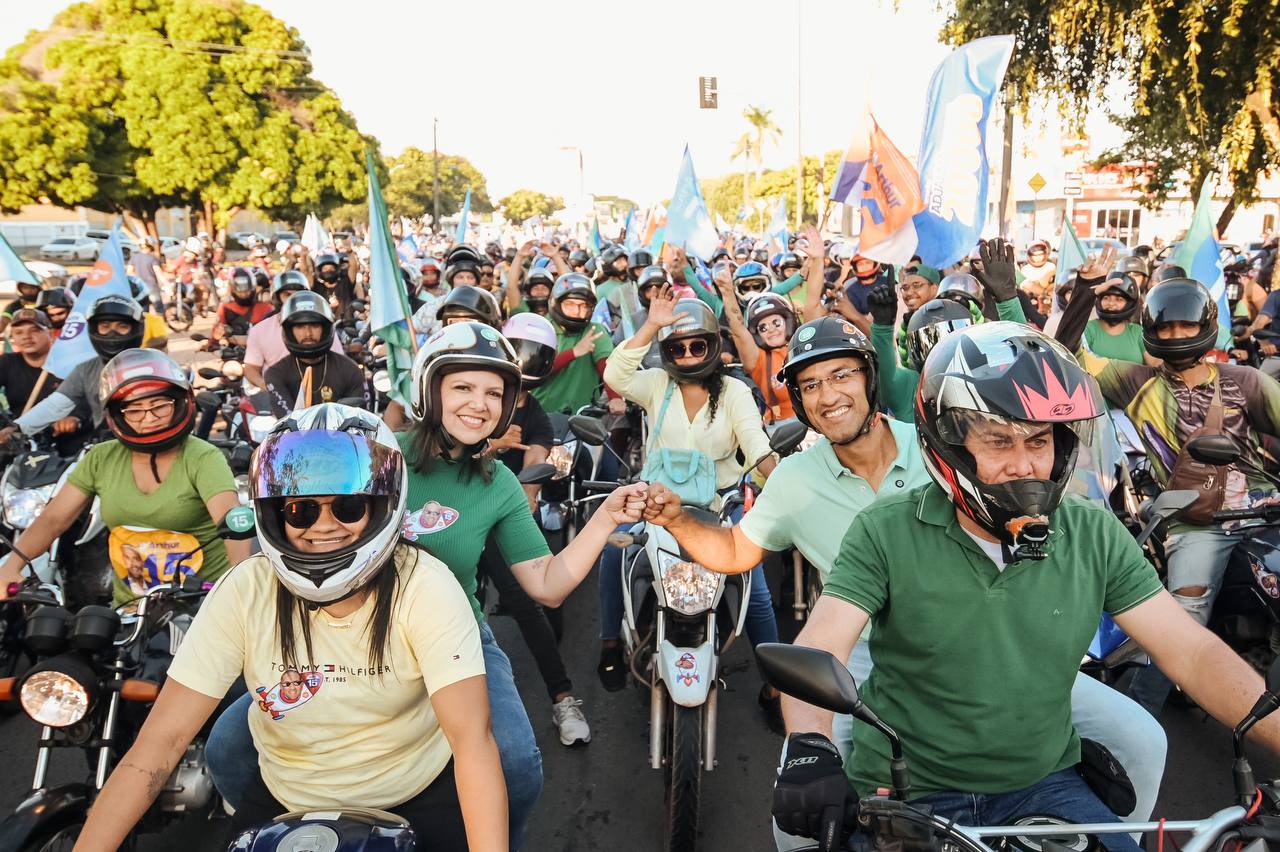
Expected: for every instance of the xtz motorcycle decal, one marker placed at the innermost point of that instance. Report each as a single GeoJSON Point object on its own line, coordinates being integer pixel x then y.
{"type": "Point", "coordinates": [432, 518]}
{"type": "Point", "coordinates": [294, 689]}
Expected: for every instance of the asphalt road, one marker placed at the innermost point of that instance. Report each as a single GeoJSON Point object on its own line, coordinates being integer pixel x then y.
{"type": "Point", "coordinates": [604, 796]}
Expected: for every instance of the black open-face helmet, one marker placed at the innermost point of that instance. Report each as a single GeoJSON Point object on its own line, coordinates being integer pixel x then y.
{"type": "Point", "coordinates": [1123, 285]}
{"type": "Point", "coordinates": [302, 309]}
{"type": "Point", "coordinates": [470, 303]}
{"type": "Point", "coordinates": [820, 340]}
{"type": "Point", "coordinates": [695, 330]}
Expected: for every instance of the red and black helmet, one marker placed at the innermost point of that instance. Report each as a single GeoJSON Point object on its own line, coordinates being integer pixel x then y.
{"type": "Point", "coordinates": [1004, 374]}
{"type": "Point", "coordinates": [139, 374]}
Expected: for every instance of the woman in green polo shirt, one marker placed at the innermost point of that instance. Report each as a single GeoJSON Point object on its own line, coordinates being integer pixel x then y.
{"type": "Point", "coordinates": [465, 382]}
{"type": "Point", "coordinates": [163, 491]}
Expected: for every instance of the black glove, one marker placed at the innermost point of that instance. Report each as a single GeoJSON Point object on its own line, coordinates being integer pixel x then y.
{"type": "Point", "coordinates": [998, 274]}
{"type": "Point", "coordinates": [810, 795]}
{"type": "Point", "coordinates": [882, 302]}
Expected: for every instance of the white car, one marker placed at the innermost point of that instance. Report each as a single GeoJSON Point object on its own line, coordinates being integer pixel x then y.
{"type": "Point", "coordinates": [101, 237]}
{"type": "Point", "coordinates": [70, 248]}
{"type": "Point", "coordinates": [170, 248]}
{"type": "Point", "coordinates": [52, 274]}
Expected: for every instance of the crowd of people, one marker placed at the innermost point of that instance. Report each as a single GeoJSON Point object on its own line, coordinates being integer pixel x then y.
{"type": "Point", "coordinates": [947, 407]}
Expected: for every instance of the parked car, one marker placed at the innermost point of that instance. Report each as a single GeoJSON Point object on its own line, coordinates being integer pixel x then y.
{"type": "Point", "coordinates": [1095, 245]}
{"type": "Point", "coordinates": [248, 239]}
{"type": "Point", "coordinates": [71, 248]}
{"type": "Point", "coordinates": [170, 248]}
{"type": "Point", "coordinates": [287, 236]}
{"type": "Point", "coordinates": [101, 237]}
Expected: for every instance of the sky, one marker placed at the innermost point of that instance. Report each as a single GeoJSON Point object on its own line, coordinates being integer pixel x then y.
{"type": "Point", "coordinates": [512, 83]}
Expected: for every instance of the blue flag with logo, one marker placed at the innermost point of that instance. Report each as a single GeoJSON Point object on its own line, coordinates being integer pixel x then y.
{"type": "Point", "coordinates": [1200, 255]}
{"type": "Point", "coordinates": [689, 224]}
{"type": "Point", "coordinates": [777, 229]}
{"type": "Point", "coordinates": [107, 278]}
{"type": "Point", "coordinates": [632, 239]}
{"type": "Point", "coordinates": [953, 150]}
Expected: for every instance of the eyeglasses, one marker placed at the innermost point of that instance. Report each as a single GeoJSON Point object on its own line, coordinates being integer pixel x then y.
{"type": "Point", "coordinates": [345, 508]}
{"type": "Point", "coordinates": [771, 324]}
{"type": "Point", "coordinates": [912, 286]}
{"type": "Point", "coordinates": [160, 409]}
{"type": "Point", "coordinates": [681, 348]}
{"type": "Point", "coordinates": [839, 378]}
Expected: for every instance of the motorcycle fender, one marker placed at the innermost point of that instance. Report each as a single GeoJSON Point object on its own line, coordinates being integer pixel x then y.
{"type": "Point", "coordinates": [68, 803]}
{"type": "Point", "coordinates": [687, 672]}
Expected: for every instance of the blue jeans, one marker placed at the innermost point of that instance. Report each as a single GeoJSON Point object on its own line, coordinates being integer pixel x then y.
{"type": "Point", "coordinates": [233, 756]}
{"type": "Point", "coordinates": [761, 625]}
{"type": "Point", "coordinates": [1197, 559]}
{"type": "Point", "coordinates": [1062, 794]}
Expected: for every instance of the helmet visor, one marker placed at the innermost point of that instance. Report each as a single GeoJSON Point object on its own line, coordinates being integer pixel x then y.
{"type": "Point", "coordinates": [960, 426]}
{"type": "Point", "coordinates": [320, 462]}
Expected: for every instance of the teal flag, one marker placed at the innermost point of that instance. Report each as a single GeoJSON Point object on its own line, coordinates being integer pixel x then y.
{"type": "Point", "coordinates": [388, 302]}
{"type": "Point", "coordinates": [461, 236]}
{"type": "Point", "coordinates": [594, 240]}
{"type": "Point", "coordinates": [11, 266]}
{"type": "Point", "coordinates": [1071, 255]}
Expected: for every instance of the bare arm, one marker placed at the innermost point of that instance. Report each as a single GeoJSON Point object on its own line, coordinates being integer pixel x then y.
{"type": "Point", "coordinates": [534, 454]}
{"type": "Point", "coordinates": [253, 373]}
{"type": "Point", "coordinates": [551, 252]}
{"type": "Point", "coordinates": [515, 273]}
{"type": "Point", "coordinates": [549, 579]}
{"type": "Point", "coordinates": [748, 351]}
{"type": "Point", "coordinates": [173, 722]}
{"type": "Point", "coordinates": [63, 509]}
{"type": "Point", "coordinates": [725, 550]}
{"type": "Point", "coordinates": [834, 626]}
{"type": "Point", "coordinates": [218, 506]}
{"type": "Point", "coordinates": [394, 417]}
{"type": "Point", "coordinates": [462, 709]}
{"type": "Point", "coordinates": [1198, 661]}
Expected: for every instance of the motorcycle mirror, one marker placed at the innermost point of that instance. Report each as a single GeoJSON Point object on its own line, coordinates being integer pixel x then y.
{"type": "Point", "coordinates": [1170, 503]}
{"type": "Point", "coordinates": [589, 430]}
{"type": "Point", "coordinates": [238, 524]}
{"type": "Point", "coordinates": [787, 436]}
{"type": "Point", "coordinates": [536, 474]}
{"type": "Point", "coordinates": [260, 425]}
{"type": "Point", "coordinates": [810, 675]}
{"type": "Point", "coordinates": [207, 401]}
{"type": "Point", "coordinates": [1214, 449]}
{"type": "Point", "coordinates": [208, 373]}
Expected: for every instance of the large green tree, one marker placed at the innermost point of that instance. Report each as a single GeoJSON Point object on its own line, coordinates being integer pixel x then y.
{"type": "Point", "coordinates": [1200, 76]}
{"type": "Point", "coordinates": [130, 105]}
{"type": "Point", "coordinates": [724, 195]}
{"type": "Point", "coordinates": [527, 203]}
{"type": "Point", "coordinates": [408, 188]}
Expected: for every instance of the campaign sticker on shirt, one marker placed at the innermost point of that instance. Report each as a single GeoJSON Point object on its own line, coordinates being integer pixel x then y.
{"type": "Point", "coordinates": [294, 689]}
{"type": "Point", "coordinates": [431, 518]}
{"type": "Point", "coordinates": [144, 558]}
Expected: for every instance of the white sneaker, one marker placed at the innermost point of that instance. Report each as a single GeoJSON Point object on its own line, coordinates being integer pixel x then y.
{"type": "Point", "coordinates": [572, 724]}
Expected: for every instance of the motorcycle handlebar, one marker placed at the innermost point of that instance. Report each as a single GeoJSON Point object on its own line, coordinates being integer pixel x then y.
{"type": "Point", "coordinates": [1254, 513]}
{"type": "Point", "coordinates": [593, 485]}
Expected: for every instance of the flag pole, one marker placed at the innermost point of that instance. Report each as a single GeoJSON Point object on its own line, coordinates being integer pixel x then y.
{"type": "Point", "coordinates": [35, 391]}
{"type": "Point", "coordinates": [826, 211]}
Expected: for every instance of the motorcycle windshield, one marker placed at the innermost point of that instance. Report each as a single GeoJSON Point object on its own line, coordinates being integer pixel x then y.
{"type": "Point", "coordinates": [1098, 464]}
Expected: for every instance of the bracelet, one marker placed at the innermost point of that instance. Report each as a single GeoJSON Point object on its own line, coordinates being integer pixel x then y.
{"type": "Point", "coordinates": [24, 557]}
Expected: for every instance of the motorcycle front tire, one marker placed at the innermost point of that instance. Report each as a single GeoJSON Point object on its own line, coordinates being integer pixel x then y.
{"type": "Point", "coordinates": [55, 838]}
{"type": "Point", "coordinates": [683, 777]}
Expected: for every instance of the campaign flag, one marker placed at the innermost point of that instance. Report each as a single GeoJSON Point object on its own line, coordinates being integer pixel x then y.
{"type": "Point", "coordinates": [461, 236]}
{"type": "Point", "coordinates": [631, 232]}
{"type": "Point", "coordinates": [721, 225]}
{"type": "Point", "coordinates": [314, 236]}
{"type": "Point", "coordinates": [890, 198]}
{"type": "Point", "coordinates": [593, 240]}
{"type": "Point", "coordinates": [953, 151]}
{"type": "Point", "coordinates": [107, 278]}
{"type": "Point", "coordinates": [655, 229]}
{"type": "Point", "coordinates": [689, 223]}
{"type": "Point", "coordinates": [777, 229]}
{"type": "Point", "coordinates": [1200, 255]}
{"type": "Point", "coordinates": [11, 266]}
{"type": "Point", "coordinates": [1071, 255]}
{"type": "Point", "coordinates": [388, 302]}
{"type": "Point", "coordinates": [847, 186]}
{"type": "Point", "coordinates": [408, 248]}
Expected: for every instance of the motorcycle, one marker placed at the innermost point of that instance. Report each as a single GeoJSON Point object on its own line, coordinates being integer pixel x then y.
{"type": "Point", "coordinates": [565, 501]}
{"type": "Point", "coordinates": [97, 672]}
{"type": "Point", "coordinates": [680, 619]}
{"type": "Point", "coordinates": [347, 830]}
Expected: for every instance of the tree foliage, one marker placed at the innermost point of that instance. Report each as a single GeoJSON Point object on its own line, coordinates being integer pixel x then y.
{"type": "Point", "coordinates": [724, 195]}
{"type": "Point", "coordinates": [1201, 78]}
{"type": "Point", "coordinates": [130, 105]}
{"type": "Point", "coordinates": [408, 188]}
{"type": "Point", "coordinates": [527, 203]}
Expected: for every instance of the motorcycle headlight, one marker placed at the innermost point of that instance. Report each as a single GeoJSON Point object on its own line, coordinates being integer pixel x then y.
{"type": "Point", "coordinates": [22, 505]}
{"type": "Point", "coordinates": [690, 588]}
{"type": "Point", "coordinates": [561, 458]}
{"type": "Point", "coordinates": [242, 490]}
{"type": "Point", "coordinates": [232, 370]}
{"type": "Point", "coordinates": [59, 692]}
{"type": "Point", "coordinates": [382, 381]}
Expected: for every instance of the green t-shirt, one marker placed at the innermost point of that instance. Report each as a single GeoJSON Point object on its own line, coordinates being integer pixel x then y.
{"type": "Point", "coordinates": [573, 387]}
{"type": "Point", "coordinates": [1127, 346]}
{"type": "Point", "coordinates": [199, 473]}
{"type": "Point", "coordinates": [974, 665]}
{"type": "Point", "coordinates": [451, 513]}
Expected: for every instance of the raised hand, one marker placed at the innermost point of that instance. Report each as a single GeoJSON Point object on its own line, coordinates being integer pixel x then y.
{"type": "Point", "coordinates": [626, 505]}
{"type": "Point", "coordinates": [998, 275]}
{"type": "Point", "coordinates": [587, 344]}
{"type": "Point", "coordinates": [662, 505]}
{"type": "Point", "coordinates": [882, 302]}
{"type": "Point", "coordinates": [662, 307]}
{"type": "Point", "coordinates": [1098, 266]}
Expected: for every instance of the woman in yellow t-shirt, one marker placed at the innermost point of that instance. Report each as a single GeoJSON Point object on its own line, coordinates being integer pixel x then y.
{"type": "Point", "coordinates": [360, 650]}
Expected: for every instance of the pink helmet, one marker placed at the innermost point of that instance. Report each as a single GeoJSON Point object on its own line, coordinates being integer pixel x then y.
{"type": "Point", "coordinates": [535, 342]}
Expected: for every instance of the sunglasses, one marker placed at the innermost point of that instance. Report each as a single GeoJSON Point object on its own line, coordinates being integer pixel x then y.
{"type": "Point", "coordinates": [771, 324]}
{"type": "Point", "coordinates": [681, 348]}
{"type": "Point", "coordinates": [346, 509]}
{"type": "Point", "coordinates": [753, 287]}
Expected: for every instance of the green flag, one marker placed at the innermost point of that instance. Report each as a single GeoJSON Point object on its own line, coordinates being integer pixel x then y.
{"type": "Point", "coordinates": [389, 315]}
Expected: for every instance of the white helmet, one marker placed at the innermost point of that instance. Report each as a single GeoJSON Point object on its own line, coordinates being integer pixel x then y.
{"type": "Point", "coordinates": [322, 450]}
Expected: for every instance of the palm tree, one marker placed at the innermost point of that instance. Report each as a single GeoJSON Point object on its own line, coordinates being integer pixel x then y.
{"type": "Point", "coordinates": [761, 121]}
{"type": "Point", "coordinates": [743, 150]}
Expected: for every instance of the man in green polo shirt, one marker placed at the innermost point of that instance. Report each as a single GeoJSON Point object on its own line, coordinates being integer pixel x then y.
{"type": "Point", "coordinates": [811, 497]}
{"type": "Point", "coordinates": [984, 588]}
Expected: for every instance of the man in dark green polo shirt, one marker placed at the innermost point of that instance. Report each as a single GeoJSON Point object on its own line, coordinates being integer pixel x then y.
{"type": "Point", "coordinates": [984, 588]}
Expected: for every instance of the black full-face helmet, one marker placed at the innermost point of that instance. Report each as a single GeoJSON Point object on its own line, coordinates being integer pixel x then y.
{"type": "Point", "coordinates": [1179, 300]}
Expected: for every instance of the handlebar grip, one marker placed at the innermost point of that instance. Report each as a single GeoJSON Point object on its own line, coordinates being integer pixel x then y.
{"type": "Point", "coordinates": [593, 485]}
{"type": "Point", "coordinates": [1257, 513]}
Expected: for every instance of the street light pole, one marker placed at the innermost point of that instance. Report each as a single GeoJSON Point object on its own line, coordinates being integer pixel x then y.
{"type": "Point", "coordinates": [799, 143]}
{"type": "Point", "coordinates": [435, 177]}
{"type": "Point", "coordinates": [582, 187]}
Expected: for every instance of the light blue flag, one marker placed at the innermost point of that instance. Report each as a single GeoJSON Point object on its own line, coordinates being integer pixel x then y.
{"type": "Point", "coordinates": [953, 149]}
{"type": "Point", "coordinates": [777, 229]}
{"type": "Point", "coordinates": [1200, 255]}
{"type": "Point", "coordinates": [107, 278]}
{"type": "Point", "coordinates": [11, 266]}
{"type": "Point", "coordinates": [408, 248]}
{"type": "Point", "coordinates": [461, 236]}
{"type": "Point", "coordinates": [632, 239]}
{"type": "Point", "coordinates": [689, 224]}
{"type": "Point", "coordinates": [1071, 255]}
{"type": "Point", "coordinates": [389, 314]}
{"type": "Point", "coordinates": [593, 240]}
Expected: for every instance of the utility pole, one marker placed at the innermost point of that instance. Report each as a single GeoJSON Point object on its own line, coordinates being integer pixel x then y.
{"type": "Point", "coordinates": [1006, 170]}
{"type": "Point", "coordinates": [799, 143]}
{"type": "Point", "coordinates": [435, 177]}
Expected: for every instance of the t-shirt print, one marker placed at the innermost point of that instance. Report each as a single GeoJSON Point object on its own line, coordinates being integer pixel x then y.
{"type": "Point", "coordinates": [431, 518]}
{"type": "Point", "coordinates": [294, 689]}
